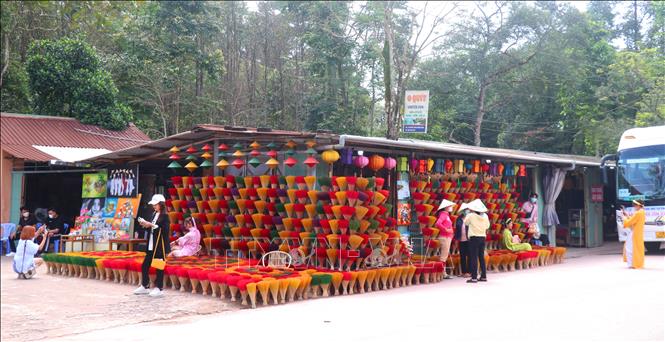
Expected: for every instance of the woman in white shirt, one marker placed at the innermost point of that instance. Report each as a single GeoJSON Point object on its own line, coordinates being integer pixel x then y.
{"type": "Point", "coordinates": [25, 263]}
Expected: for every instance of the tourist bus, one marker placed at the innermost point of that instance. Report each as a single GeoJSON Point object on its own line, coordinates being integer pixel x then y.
{"type": "Point", "coordinates": [640, 174]}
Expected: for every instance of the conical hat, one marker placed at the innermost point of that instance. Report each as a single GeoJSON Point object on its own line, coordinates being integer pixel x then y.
{"type": "Point", "coordinates": [445, 204]}
{"type": "Point", "coordinates": [477, 206]}
{"type": "Point", "coordinates": [463, 207]}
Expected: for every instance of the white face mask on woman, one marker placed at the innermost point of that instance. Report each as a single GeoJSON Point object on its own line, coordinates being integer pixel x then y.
{"type": "Point", "coordinates": [51, 216]}
{"type": "Point", "coordinates": [26, 214]}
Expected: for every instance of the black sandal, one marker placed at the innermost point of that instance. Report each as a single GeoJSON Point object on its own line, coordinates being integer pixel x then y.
{"type": "Point", "coordinates": [471, 281]}
{"type": "Point", "coordinates": [482, 279]}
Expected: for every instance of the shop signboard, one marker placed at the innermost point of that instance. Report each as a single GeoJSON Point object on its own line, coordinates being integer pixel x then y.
{"type": "Point", "coordinates": [596, 193]}
{"type": "Point", "coordinates": [416, 105]}
{"type": "Point", "coordinates": [123, 181]}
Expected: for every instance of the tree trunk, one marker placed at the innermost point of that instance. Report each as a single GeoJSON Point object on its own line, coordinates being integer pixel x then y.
{"type": "Point", "coordinates": [387, 73]}
{"type": "Point", "coordinates": [371, 109]}
{"type": "Point", "coordinates": [5, 57]}
{"type": "Point", "coordinates": [479, 115]}
{"type": "Point", "coordinates": [199, 69]}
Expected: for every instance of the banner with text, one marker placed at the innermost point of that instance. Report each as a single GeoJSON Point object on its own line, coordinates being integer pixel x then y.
{"type": "Point", "coordinates": [416, 104]}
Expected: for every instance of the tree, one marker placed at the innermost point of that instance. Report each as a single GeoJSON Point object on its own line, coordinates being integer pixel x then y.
{"type": "Point", "coordinates": [66, 78]}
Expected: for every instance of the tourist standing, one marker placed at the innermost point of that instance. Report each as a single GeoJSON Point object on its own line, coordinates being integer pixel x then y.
{"type": "Point", "coordinates": [158, 246]}
{"type": "Point", "coordinates": [478, 223]}
{"type": "Point", "coordinates": [462, 237]}
{"type": "Point", "coordinates": [446, 232]}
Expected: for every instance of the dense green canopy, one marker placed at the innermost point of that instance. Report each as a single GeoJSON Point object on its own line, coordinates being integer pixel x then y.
{"type": "Point", "coordinates": [543, 76]}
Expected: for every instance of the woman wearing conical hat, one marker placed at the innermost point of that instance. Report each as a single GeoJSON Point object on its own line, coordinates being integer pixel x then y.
{"type": "Point", "coordinates": [445, 226]}
{"type": "Point", "coordinates": [478, 223]}
{"type": "Point", "coordinates": [633, 251]}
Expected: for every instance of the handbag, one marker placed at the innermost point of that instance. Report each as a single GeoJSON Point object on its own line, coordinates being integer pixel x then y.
{"type": "Point", "coordinates": [159, 264]}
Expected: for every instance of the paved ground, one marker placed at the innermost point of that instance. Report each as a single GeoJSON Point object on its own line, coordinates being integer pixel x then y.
{"type": "Point", "coordinates": [591, 297]}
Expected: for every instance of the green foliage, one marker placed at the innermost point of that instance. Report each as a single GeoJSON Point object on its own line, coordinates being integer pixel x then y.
{"type": "Point", "coordinates": [555, 79]}
{"type": "Point", "coordinates": [66, 79]}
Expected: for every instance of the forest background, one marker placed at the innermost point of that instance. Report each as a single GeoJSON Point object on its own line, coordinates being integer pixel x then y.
{"type": "Point", "coordinates": [544, 76]}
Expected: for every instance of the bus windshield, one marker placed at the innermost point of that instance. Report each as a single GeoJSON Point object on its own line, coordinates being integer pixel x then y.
{"type": "Point", "coordinates": [641, 173]}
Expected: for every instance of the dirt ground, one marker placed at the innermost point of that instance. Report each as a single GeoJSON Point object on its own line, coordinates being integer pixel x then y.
{"type": "Point", "coordinates": [592, 296]}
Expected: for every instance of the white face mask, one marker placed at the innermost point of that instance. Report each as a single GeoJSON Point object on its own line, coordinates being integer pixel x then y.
{"type": "Point", "coordinates": [26, 214]}
{"type": "Point", "coordinates": [51, 216]}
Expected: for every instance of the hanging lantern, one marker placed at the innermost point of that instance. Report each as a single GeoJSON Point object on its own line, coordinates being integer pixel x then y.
{"type": "Point", "coordinates": [238, 163]}
{"type": "Point", "coordinates": [271, 146]}
{"type": "Point", "coordinates": [485, 168]}
{"type": "Point", "coordinates": [402, 165]}
{"type": "Point", "coordinates": [254, 162]}
{"type": "Point", "coordinates": [206, 155]}
{"type": "Point", "coordinates": [271, 154]}
{"type": "Point", "coordinates": [223, 164]}
{"type": "Point", "coordinates": [430, 165]}
{"type": "Point", "coordinates": [174, 156]}
{"type": "Point", "coordinates": [360, 161]}
{"type": "Point", "coordinates": [522, 170]}
{"type": "Point", "coordinates": [330, 156]}
{"type": "Point", "coordinates": [448, 165]}
{"type": "Point", "coordinates": [238, 154]}
{"type": "Point", "coordinates": [468, 166]}
{"type": "Point", "coordinates": [290, 152]}
{"type": "Point", "coordinates": [500, 169]}
{"type": "Point", "coordinates": [414, 165]}
{"type": "Point", "coordinates": [206, 163]}
{"type": "Point", "coordinates": [174, 149]}
{"type": "Point", "coordinates": [311, 161]}
{"type": "Point", "coordinates": [255, 153]}
{"type": "Point", "coordinates": [290, 161]}
{"type": "Point", "coordinates": [376, 162]}
{"type": "Point", "coordinates": [174, 165]}
{"type": "Point", "coordinates": [206, 148]}
{"type": "Point", "coordinates": [191, 150]}
{"type": "Point", "coordinates": [422, 165]}
{"type": "Point", "coordinates": [191, 166]}
{"type": "Point", "coordinates": [291, 144]}
{"type": "Point", "coordinates": [223, 147]}
{"type": "Point", "coordinates": [255, 145]}
{"type": "Point", "coordinates": [272, 163]}
{"type": "Point", "coordinates": [390, 163]}
{"type": "Point", "coordinates": [476, 166]}
{"type": "Point", "coordinates": [310, 143]}
{"type": "Point", "coordinates": [347, 156]}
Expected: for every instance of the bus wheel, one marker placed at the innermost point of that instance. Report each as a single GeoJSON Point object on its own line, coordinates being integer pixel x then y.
{"type": "Point", "coordinates": [652, 247]}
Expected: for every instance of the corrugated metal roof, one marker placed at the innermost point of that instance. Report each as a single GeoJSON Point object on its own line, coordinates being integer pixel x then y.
{"type": "Point", "coordinates": [414, 145]}
{"type": "Point", "coordinates": [19, 132]}
{"type": "Point", "coordinates": [208, 132]}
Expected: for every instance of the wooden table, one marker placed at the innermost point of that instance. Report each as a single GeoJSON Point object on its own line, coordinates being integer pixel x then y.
{"type": "Point", "coordinates": [129, 242]}
{"type": "Point", "coordinates": [83, 238]}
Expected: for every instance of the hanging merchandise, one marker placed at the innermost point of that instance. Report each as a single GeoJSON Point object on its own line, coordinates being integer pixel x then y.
{"type": "Point", "coordinates": [206, 155]}
{"type": "Point", "coordinates": [485, 168]}
{"type": "Point", "coordinates": [347, 156]}
{"type": "Point", "coordinates": [500, 169]}
{"type": "Point", "coordinates": [310, 161]}
{"type": "Point", "coordinates": [174, 157]}
{"type": "Point", "coordinates": [415, 164]}
{"type": "Point", "coordinates": [448, 165]}
{"type": "Point", "coordinates": [360, 162]}
{"type": "Point", "coordinates": [476, 166]}
{"type": "Point", "coordinates": [254, 145]}
{"type": "Point", "coordinates": [390, 163]}
{"type": "Point", "coordinates": [430, 165]}
{"type": "Point", "coordinates": [522, 170]}
{"type": "Point", "coordinates": [223, 164]}
{"type": "Point", "coordinates": [439, 166]}
{"type": "Point", "coordinates": [191, 166]}
{"type": "Point", "coordinates": [290, 161]}
{"type": "Point", "coordinates": [468, 166]}
{"type": "Point", "coordinates": [422, 165]}
{"type": "Point", "coordinates": [376, 162]}
{"type": "Point", "coordinates": [402, 164]}
{"type": "Point", "coordinates": [238, 163]}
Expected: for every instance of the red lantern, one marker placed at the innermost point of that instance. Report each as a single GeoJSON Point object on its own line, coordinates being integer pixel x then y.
{"type": "Point", "coordinates": [449, 165]}
{"type": "Point", "coordinates": [311, 161]}
{"type": "Point", "coordinates": [376, 162]}
{"type": "Point", "coordinates": [238, 163]}
{"type": "Point", "coordinates": [290, 161]}
{"type": "Point", "coordinates": [476, 166]}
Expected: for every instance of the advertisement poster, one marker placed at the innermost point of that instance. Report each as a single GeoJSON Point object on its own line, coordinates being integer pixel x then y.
{"type": "Point", "coordinates": [403, 190]}
{"type": "Point", "coordinates": [123, 181]}
{"type": "Point", "coordinates": [416, 106]}
{"type": "Point", "coordinates": [403, 214]}
{"type": "Point", "coordinates": [94, 185]}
